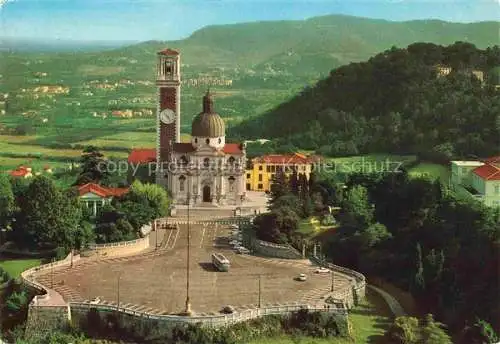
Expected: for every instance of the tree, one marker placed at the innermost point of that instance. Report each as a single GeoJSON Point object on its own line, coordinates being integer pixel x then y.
{"type": "Point", "coordinates": [46, 215]}
{"type": "Point", "coordinates": [481, 332]}
{"type": "Point", "coordinates": [374, 235]}
{"type": "Point", "coordinates": [155, 195]}
{"type": "Point", "coordinates": [17, 301]}
{"type": "Point", "coordinates": [7, 202]}
{"type": "Point", "coordinates": [357, 210]}
{"type": "Point", "coordinates": [94, 166]}
{"type": "Point", "coordinates": [409, 330]}
{"type": "Point", "coordinates": [433, 332]}
{"type": "Point", "coordinates": [419, 279]}
{"type": "Point", "coordinates": [279, 186]}
{"type": "Point", "coordinates": [287, 201]}
{"type": "Point", "coordinates": [294, 183]}
{"type": "Point", "coordinates": [404, 330]}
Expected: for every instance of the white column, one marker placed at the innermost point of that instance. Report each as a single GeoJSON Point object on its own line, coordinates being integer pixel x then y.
{"type": "Point", "coordinates": [95, 208]}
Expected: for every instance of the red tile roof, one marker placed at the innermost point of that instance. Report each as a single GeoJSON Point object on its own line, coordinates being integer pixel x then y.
{"type": "Point", "coordinates": [142, 155]}
{"type": "Point", "coordinates": [168, 51]}
{"type": "Point", "coordinates": [21, 171]}
{"type": "Point", "coordinates": [232, 148]}
{"type": "Point", "coordinates": [145, 155]}
{"type": "Point", "coordinates": [488, 172]}
{"type": "Point", "coordinates": [493, 160]}
{"type": "Point", "coordinates": [101, 191]}
{"type": "Point", "coordinates": [290, 159]}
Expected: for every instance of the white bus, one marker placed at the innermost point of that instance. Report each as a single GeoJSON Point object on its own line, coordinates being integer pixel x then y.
{"type": "Point", "coordinates": [220, 262]}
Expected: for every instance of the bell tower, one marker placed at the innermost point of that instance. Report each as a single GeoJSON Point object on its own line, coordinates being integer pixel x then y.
{"type": "Point", "coordinates": [168, 82]}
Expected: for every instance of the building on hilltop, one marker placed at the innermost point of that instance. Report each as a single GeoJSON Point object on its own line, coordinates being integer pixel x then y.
{"type": "Point", "coordinates": [263, 169]}
{"type": "Point", "coordinates": [206, 170]}
{"type": "Point", "coordinates": [479, 179]}
{"type": "Point", "coordinates": [443, 70]}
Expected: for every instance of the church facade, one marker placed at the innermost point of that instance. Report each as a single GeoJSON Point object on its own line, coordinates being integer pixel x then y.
{"type": "Point", "coordinates": [206, 170]}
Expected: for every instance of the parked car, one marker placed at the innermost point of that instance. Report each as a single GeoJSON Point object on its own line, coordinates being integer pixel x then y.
{"type": "Point", "coordinates": [242, 250]}
{"type": "Point", "coordinates": [235, 242]}
{"type": "Point", "coordinates": [302, 277]}
{"type": "Point", "coordinates": [322, 271]}
{"type": "Point", "coordinates": [235, 227]}
{"type": "Point", "coordinates": [95, 300]}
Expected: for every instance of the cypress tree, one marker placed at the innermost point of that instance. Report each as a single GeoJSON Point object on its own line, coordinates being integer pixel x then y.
{"type": "Point", "coordinates": [294, 183]}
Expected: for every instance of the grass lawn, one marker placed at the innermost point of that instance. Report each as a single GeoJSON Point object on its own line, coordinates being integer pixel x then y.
{"type": "Point", "coordinates": [369, 321]}
{"type": "Point", "coordinates": [431, 171]}
{"type": "Point", "coordinates": [15, 267]}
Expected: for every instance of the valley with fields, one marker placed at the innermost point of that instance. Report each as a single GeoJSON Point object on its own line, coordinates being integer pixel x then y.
{"type": "Point", "coordinates": [53, 104]}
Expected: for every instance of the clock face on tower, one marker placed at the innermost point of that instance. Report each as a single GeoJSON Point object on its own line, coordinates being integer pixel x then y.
{"type": "Point", "coordinates": [167, 116]}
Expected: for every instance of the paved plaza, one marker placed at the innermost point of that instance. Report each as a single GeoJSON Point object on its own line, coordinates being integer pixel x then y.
{"type": "Point", "coordinates": [157, 282]}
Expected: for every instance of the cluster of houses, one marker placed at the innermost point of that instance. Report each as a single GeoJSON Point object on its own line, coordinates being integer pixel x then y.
{"type": "Point", "coordinates": [27, 172]}
{"type": "Point", "coordinates": [51, 89]}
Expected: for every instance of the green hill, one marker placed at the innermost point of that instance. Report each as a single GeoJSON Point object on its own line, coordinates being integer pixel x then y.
{"type": "Point", "coordinates": [265, 64]}
{"type": "Point", "coordinates": [394, 102]}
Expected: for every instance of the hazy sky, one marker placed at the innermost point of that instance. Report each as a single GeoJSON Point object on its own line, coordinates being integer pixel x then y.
{"type": "Point", "coordinates": [174, 19]}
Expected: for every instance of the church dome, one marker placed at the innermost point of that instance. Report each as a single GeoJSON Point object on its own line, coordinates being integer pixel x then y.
{"type": "Point", "coordinates": [208, 123]}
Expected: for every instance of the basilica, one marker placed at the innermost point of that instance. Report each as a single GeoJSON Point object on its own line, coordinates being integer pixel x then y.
{"type": "Point", "coordinates": [206, 170]}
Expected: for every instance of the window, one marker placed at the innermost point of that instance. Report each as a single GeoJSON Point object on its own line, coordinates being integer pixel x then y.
{"type": "Point", "coordinates": [196, 140]}
{"type": "Point", "coordinates": [260, 167]}
{"type": "Point", "coordinates": [249, 186]}
{"type": "Point", "coordinates": [207, 141]}
{"type": "Point", "coordinates": [259, 186]}
{"type": "Point", "coordinates": [268, 169]}
{"type": "Point", "coordinates": [183, 160]}
{"type": "Point", "coordinates": [231, 160]}
{"type": "Point", "coordinates": [497, 189]}
{"type": "Point", "coordinates": [220, 140]}
{"type": "Point", "coordinates": [182, 182]}
{"type": "Point", "coordinates": [272, 176]}
{"type": "Point", "coordinates": [231, 183]}
{"type": "Point", "coordinates": [260, 177]}
{"type": "Point", "coordinates": [248, 175]}
{"type": "Point", "coordinates": [206, 162]}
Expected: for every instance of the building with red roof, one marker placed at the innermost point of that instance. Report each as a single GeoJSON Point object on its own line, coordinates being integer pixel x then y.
{"type": "Point", "coordinates": [263, 169]}
{"type": "Point", "coordinates": [21, 172]}
{"type": "Point", "coordinates": [95, 196]}
{"type": "Point", "coordinates": [478, 179]}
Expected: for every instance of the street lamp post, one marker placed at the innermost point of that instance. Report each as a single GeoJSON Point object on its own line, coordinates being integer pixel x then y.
{"type": "Point", "coordinates": [156, 230]}
{"type": "Point", "coordinates": [260, 291]}
{"type": "Point", "coordinates": [332, 281]}
{"type": "Point", "coordinates": [118, 293]}
{"type": "Point", "coordinates": [52, 274]}
{"type": "Point", "coordinates": [188, 304]}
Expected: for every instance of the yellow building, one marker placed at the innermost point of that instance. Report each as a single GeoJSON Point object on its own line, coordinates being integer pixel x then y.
{"type": "Point", "coordinates": [263, 169]}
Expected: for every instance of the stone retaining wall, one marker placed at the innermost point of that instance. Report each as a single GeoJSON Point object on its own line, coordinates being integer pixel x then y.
{"type": "Point", "coordinates": [79, 312]}
{"type": "Point", "coordinates": [274, 250]}
{"type": "Point", "coordinates": [120, 249]}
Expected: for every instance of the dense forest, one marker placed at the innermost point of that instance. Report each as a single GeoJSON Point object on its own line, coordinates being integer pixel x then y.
{"type": "Point", "coordinates": [412, 232]}
{"type": "Point", "coordinates": [395, 102]}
